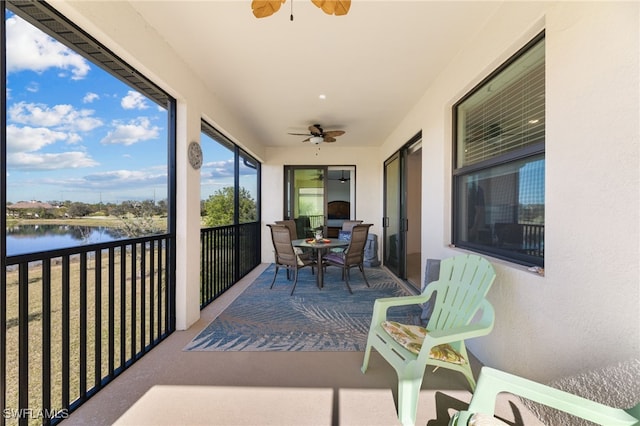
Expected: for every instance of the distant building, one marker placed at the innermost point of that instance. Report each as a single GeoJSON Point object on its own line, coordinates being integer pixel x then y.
{"type": "Point", "coordinates": [27, 208]}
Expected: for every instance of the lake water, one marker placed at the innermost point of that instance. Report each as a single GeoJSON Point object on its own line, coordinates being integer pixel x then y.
{"type": "Point", "coordinates": [31, 238]}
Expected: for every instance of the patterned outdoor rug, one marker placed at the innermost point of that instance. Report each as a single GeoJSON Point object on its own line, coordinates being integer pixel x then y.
{"type": "Point", "coordinates": [331, 319]}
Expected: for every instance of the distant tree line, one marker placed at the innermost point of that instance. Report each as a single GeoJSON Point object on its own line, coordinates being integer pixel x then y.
{"type": "Point", "coordinates": [217, 210]}
{"type": "Point", "coordinates": [77, 209]}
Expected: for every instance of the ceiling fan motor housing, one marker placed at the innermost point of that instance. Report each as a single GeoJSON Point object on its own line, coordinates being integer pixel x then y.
{"type": "Point", "coordinates": [317, 136]}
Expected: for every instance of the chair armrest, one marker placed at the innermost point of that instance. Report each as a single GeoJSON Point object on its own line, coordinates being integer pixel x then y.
{"type": "Point", "coordinates": [491, 382]}
{"type": "Point", "coordinates": [479, 328]}
{"type": "Point", "coordinates": [381, 306]}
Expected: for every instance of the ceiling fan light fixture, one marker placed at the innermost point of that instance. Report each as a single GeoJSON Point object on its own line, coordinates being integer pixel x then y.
{"type": "Point", "coordinates": [317, 135]}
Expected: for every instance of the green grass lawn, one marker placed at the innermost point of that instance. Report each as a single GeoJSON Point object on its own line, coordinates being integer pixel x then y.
{"type": "Point", "coordinates": [97, 293]}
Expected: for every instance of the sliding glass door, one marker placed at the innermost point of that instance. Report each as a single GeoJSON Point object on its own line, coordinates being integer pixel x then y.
{"type": "Point", "coordinates": [392, 220]}
{"type": "Point", "coordinates": [319, 197]}
{"type": "Point", "coordinates": [305, 198]}
{"type": "Point", "coordinates": [402, 221]}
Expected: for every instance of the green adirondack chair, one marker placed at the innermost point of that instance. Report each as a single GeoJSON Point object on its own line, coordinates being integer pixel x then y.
{"type": "Point", "coordinates": [492, 382]}
{"type": "Point", "coordinates": [463, 283]}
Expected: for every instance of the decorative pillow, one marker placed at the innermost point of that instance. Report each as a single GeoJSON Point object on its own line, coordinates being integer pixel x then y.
{"type": "Point", "coordinates": [335, 257]}
{"type": "Point", "coordinates": [344, 235]}
{"type": "Point", "coordinates": [412, 336]}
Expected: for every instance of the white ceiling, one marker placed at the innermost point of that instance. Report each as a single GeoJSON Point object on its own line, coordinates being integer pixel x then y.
{"type": "Point", "coordinates": [373, 64]}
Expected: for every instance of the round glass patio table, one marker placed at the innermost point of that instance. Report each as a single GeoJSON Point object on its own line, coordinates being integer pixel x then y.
{"type": "Point", "coordinates": [320, 247]}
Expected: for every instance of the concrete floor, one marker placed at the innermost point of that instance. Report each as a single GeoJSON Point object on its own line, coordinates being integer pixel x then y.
{"type": "Point", "coordinates": [170, 386]}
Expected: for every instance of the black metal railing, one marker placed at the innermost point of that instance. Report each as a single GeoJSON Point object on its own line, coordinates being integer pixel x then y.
{"type": "Point", "coordinates": [227, 253]}
{"type": "Point", "coordinates": [533, 240]}
{"type": "Point", "coordinates": [76, 318]}
{"type": "Point", "coordinates": [521, 238]}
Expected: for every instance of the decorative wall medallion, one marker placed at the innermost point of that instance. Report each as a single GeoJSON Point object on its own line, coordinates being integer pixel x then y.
{"type": "Point", "coordinates": [195, 155]}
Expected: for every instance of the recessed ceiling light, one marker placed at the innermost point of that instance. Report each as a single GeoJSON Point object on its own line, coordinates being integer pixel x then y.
{"type": "Point", "coordinates": [322, 97]}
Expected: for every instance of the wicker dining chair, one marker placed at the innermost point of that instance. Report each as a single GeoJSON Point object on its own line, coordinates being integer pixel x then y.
{"type": "Point", "coordinates": [352, 256]}
{"type": "Point", "coordinates": [285, 255]}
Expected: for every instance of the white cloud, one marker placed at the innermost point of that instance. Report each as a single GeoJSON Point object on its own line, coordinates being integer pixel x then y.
{"type": "Point", "coordinates": [74, 138]}
{"type": "Point", "coordinates": [135, 131]}
{"type": "Point", "coordinates": [33, 87]}
{"type": "Point", "coordinates": [61, 117]}
{"type": "Point", "coordinates": [49, 161]}
{"type": "Point", "coordinates": [24, 144]}
{"type": "Point", "coordinates": [218, 169]}
{"type": "Point", "coordinates": [29, 139]}
{"type": "Point", "coordinates": [134, 100]}
{"type": "Point", "coordinates": [90, 97]}
{"type": "Point", "coordinates": [28, 48]}
{"type": "Point", "coordinates": [125, 178]}
{"type": "Point", "coordinates": [121, 175]}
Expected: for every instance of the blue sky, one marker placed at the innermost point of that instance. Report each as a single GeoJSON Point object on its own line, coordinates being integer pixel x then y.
{"type": "Point", "coordinates": [74, 132]}
{"type": "Point", "coordinates": [217, 169]}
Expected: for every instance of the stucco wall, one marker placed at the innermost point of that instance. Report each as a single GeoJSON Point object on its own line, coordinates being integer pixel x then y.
{"type": "Point", "coordinates": [367, 177]}
{"type": "Point", "coordinates": [583, 313]}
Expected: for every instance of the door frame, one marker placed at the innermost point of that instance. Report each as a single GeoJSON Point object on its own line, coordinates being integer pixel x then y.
{"type": "Point", "coordinates": [402, 224]}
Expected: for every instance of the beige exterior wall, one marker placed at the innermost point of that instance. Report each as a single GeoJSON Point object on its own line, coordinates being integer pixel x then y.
{"type": "Point", "coordinates": [584, 312]}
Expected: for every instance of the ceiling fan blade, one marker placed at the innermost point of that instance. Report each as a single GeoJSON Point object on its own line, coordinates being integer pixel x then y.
{"type": "Point", "coordinates": [299, 134]}
{"type": "Point", "coordinates": [334, 133]}
{"type": "Point", "coordinates": [333, 7]}
{"type": "Point", "coordinates": [329, 139]}
{"type": "Point", "coordinates": [306, 140]}
{"type": "Point", "coordinates": [264, 8]}
{"type": "Point", "coordinates": [315, 129]}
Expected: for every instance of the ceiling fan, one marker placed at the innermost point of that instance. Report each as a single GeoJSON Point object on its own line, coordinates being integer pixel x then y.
{"type": "Point", "coordinates": [317, 135]}
{"type": "Point", "coordinates": [343, 179]}
{"type": "Point", "coordinates": [264, 8]}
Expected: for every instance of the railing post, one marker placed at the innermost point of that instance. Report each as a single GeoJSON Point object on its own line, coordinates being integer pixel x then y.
{"type": "Point", "coordinates": [23, 343]}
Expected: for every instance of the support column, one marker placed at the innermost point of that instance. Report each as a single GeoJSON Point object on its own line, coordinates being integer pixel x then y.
{"type": "Point", "coordinates": [187, 220]}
